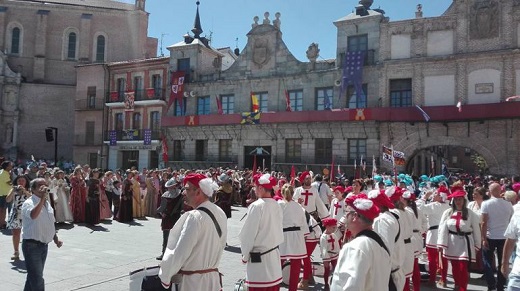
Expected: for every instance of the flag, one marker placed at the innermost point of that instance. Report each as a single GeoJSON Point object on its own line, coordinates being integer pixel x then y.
{"type": "Point", "coordinates": [459, 106]}
{"type": "Point", "coordinates": [287, 101]}
{"type": "Point", "coordinates": [177, 87]}
{"type": "Point", "coordinates": [255, 106]}
{"type": "Point", "coordinates": [339, 170]}
{"type": "Point", "coordinates": [445, 170]}
{"type": "Point", "coordinates": [191, 120]}
{"type": "Point", "coordinates": [393, 157]}
{"type": "Point", "coordinates": [112, 135]}
{"type": "Point", "coordinates": [424, 114]}
{"type": "Point", "coordinates": [250, 118]}
{"type": "Point", "coordinates": [219, 104]}
{"type": "Point", "coordinates": [353, 72]}
{"type": "Point", "coordinates": [147, 140]}
{"type": "Point", "coordinates": [374, 168]}
{"type": "Point", "coordinates": [293, 175]}
{"type": "Point", "coordinates": [512, 98]}
{"type": "Point", "coordinates": [164, 149]}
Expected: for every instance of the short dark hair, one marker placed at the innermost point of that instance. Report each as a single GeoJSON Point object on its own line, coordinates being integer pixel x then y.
{"type": "Point", "coordinates": [5, 164]}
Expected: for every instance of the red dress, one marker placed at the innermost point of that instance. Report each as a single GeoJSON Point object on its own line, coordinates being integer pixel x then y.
{"type": "Point", "coordinates": [78, 196]}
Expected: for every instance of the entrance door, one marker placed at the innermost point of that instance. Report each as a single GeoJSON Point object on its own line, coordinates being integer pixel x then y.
{"type": "Point", "coordinates": [130, 159]}
{"type": "Point", "coordinates": [263, 157]}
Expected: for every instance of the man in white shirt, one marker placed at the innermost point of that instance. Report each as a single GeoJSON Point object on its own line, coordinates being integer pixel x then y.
{"type": "Point", "coordinates": [496, 213]}
{"type": "Point", "coordinates": [324, 190]}
{"type": "Point", "coordinates": [37, 232]}
{"type": "Point", "coordinates": [512, 234]}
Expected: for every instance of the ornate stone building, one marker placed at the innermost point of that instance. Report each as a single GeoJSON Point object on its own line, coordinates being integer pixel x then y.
{"type": "Point", "coordinates": [468, 55]}
{"type": "Point", "coordinates": [42, 43]}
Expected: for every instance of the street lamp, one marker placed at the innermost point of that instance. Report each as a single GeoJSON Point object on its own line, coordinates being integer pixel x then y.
{"type": "Point", "coordinates": [50, 137]}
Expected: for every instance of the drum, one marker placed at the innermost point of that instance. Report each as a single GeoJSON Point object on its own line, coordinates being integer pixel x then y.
{"type": "Point", "coordinates": [147, 279]}
{"type": "Point", "coordinates": [286, 272]}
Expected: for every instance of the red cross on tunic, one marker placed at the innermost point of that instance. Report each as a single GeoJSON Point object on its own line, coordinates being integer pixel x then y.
{"type": "Point", "coordinates": [306, 194]}
{"type": "Point", "coordinates": [336, 207]}
{"type": "Point", "coordinates": [331, 240]}
{"type": "Point", "coordinates": [458, 218]}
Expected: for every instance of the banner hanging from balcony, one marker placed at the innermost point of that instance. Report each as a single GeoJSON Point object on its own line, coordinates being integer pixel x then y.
{"type": "Point", "coordinates": [255, 106]}
{"type": "Point", "coordinates": [129, 101]}
{"type": "Point", "coordinates": [191, 120]}
{"type": "Point", "coordinates": [130, 134]}
{"type": "Point", "coordinates": [147, 140]}
{"type": "Point", "coordinates": [392, 156]}
{"type": "Point", "coordinates": [150, 92]}
{"type": "Point", "coordinates": [250, 118]}
{"type": "Point", "coordinates": [114, 96]}
{"type": "Point", "coordinates": [112, 136]}
{"type": "Point", "coordinates": [177, 87]}
{"type": "Point", "coordinates": [353, 72]}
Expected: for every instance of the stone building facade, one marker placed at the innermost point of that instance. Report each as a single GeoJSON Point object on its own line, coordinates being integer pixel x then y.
{"type": "Point", "coordinates": [467, 56]}
{"type": "Point", "coordinates": [43, 42]}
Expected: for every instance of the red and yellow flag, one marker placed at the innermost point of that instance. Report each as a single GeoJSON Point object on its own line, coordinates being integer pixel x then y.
{"type": "Point", "coordinates": [255, 106]}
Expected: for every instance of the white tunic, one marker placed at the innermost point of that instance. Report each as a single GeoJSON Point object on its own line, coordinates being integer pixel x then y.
{"type": "Point", "coordinates": [406, 220]}
{"type": "Point", "coordinates": [314, 230]}
{"type": "Point", "coordinates": [362, 265]}
{"type": "Point", "coordinates": [433, 212]}
{"type": "Point", "coordinates": [419, 228]}
{"type": "Point", "coordinates": [456, 245]}
{"type": "Point", "coordinates": [337, 209]}
{"type": "Point", "coordinates": [329, 246]}
{"type": "Point", "coordinates": [194, 245]}
{"type": "Point", "coordinates": [311, 201]}
{"type": "Point", "coordinates": [262, 231]}
{"type": "Point", "coordinates": [293, 246]}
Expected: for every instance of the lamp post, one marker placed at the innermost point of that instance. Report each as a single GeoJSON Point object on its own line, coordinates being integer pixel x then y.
{"type": "Point", "coordinates": [55, 129]}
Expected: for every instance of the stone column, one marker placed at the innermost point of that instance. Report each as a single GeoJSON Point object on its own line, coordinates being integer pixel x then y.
{"type": "Point", "coordinates": [40, 42]}
{"type": "Point", "coordinates": [85, 39]}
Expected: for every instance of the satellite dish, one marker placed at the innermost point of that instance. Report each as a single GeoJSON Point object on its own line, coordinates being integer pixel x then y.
{"type": "Point", "coordinates": [186, 94]}
{"type": "Point", "coordinates": [193, 94]}
{"type": "Point", "coordinates": [337, 83]}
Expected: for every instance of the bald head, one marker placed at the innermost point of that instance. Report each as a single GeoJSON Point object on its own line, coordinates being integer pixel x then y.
{"type": "Point", "coordinates": [494, 190]}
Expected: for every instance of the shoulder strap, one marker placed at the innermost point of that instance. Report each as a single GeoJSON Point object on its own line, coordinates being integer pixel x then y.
{"type": "Point", "coordinates": [219, 231]}
{"type": "Point", "coordinates": [319, 187]}
{"type": "Point", "coordinates": [398, 224]}
{"type": "Point", "coordinates": [373, 235]}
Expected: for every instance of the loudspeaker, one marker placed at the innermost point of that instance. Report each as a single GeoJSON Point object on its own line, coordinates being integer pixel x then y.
{"type": "Point", "coordinates": [49, 135]}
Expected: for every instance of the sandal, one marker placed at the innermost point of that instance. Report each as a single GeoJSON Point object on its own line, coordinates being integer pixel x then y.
{"type": "Point", "coordinates": [16, 256]}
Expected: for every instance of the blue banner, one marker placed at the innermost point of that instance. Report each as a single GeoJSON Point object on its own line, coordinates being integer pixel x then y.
{"type": "Point", "coordinates": [112, 135]}
{"type": "Point", "coordinates": [147, 137]}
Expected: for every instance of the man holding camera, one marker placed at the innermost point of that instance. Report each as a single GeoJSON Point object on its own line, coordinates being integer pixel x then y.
{"type": "Point", "coordinates": [37, 232]}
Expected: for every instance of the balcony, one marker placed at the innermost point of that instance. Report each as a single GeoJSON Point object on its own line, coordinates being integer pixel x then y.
{"type": "Point", "coordinates": [91, 140]}
{"type": "Point", "coordinates": [139, 95]}
{"type": "Point", "coordinates": [88, 104]}
{"type": "Point", "coordinates": [132, 134]}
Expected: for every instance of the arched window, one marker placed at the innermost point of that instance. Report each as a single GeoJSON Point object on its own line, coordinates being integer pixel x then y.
{"type": "Point", "coordinates": [15, 41]}
{"type": "Point", "coordinates": [71, 47]}
{"type": "Point", "coordinates": [100, 49]}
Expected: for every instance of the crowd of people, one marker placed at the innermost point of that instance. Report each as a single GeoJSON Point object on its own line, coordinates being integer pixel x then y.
{"type": "Point", "coordinates": [370, 232]}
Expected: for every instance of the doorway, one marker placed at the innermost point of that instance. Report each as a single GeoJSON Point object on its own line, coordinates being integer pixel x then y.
{"type": "Point", "coordinates": [130, 159]}
{"type": "Point", "coordinates": [263, 157]}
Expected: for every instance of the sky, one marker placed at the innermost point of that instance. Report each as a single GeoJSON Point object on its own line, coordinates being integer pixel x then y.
{"type": "Point", "coordinates": [302, 21]}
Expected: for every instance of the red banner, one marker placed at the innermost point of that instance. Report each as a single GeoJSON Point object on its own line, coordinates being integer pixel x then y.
{"type": "Point", "coordinates": [177, 88]}
{"type": "Point", "coordinates": [219, 104]}
{"type": "Point", "coordinates": [191, 120]}
{"type": "Point", "coordinates": [150, 92]}
{"type": "Point", "coordinates": [114, 96]}
{"type": "Point", "coordinates": [287, 101]}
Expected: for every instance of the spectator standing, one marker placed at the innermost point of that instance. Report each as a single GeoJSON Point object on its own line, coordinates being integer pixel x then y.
{"type": "Point", "coordinates": [17, 196]}
{"type": "Point", "coordinates": [5, 188]}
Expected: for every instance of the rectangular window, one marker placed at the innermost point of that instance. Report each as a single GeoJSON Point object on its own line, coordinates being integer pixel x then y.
{"type": "Point", "coordinates": [323, 150]}
{"type": "Point", "coordinates": [356, 148]}
{"type": "Point", "coordinates": [184, 65]}
{"type": "Point", "coordinates": [225, 150]}
{"type": "Point", "coordinates": [262, 100]}
{"type": "Point", "coordinates": [180, 111]}
{"type": "Point", "coordinates": [92, 160]}
{"type": "Point", "coordinates": [293, 150]}
{"type": "Point", "coordinates": [401, 93]}
{"type": "Point", "coordinates": [201, 149]}
{"type": "Point", "coordinates": [118, 121]}
{"type": "Point", "coordinates": [178, 145]}
{"type": "Point", "coordinates": [324, 97]}
{"type": "Point", "coordinates": [155, 121]}
{"type": "Point", "coordinates": [121, 89]}
{"type": "Point", "coordinates": [296, 98]}
{"type": "Point", "coordinates": [71, 46]}
{"type": "Point", "coordinates": [138, 88]}
{"type": "Point", "coordinates": [228, 103]}
{"type": "Point", "coordinates": [203, 105]}
{"type": "Point", "coordinates": [358, 43]}
{"type": "Point", "coordinates": [157, 85]}
{"type": "Point", "coordinates": [353, 100]}
{"type": "Point", "coordinates": [91, 97]}
{"type": "Point", "coordinates": [136, 121]}
{"type": "Point", "coordinates": [90, 127]}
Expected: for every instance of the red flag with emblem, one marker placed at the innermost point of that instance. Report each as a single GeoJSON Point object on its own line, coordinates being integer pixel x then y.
{"type": "Point", "coordinates": [177, 88]}
{"type": "Point", "coordinates": [287, 101]}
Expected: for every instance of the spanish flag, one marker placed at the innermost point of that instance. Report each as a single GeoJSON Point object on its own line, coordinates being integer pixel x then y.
{"type": "Point", "coordinates": [255, 106]}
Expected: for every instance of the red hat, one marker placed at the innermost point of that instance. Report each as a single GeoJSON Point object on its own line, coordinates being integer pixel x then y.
{"type": "Point", "coordinates": [394, 193]}
{"type": "Point", "coordinates": [457, 193]}
{"type": "Point", "coordinates": [303, 176]}
{"type": "Point", "coordinates": [206, 185]}
{"type": "Point", "coordinates": [457, 188]}
{"type": "Point", "coordinates": [443, 189]}
{"type": "Point", "coordinates": [193, 178]}
{"type": "Point", "coordinates": [380, 199]}
{"type": "Point", "coordinates": [348, 189]}
{"type": "Point", "coordinates": [329, 221]}
{"type": "Point", "coordinates": [363, 206]}
{"type": "Point", "coordinates": [265, 180]}
{"type": "Point", "coordinates": [516, 187]}
{"type": "Point", "coordinates": [339, 188]}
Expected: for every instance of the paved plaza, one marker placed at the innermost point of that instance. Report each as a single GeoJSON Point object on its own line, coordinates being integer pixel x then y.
{"type": "Point", "coordinates": [101, 257]}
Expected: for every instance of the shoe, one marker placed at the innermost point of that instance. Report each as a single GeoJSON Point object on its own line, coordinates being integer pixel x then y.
{"type": "Point", "coordinates": [442, 284]}
{"type": "Point", "coordinates": [159, 258]}
{"type": "Point", "coordinates": [303, 285]}
{"type": "Point", "coordinates": [16, 256]}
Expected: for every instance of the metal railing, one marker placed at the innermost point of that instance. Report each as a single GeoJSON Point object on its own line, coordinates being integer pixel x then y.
{"type": "Point", "coordinates": [139, 95]}
{"type": "Point", "coordinates": [88, 140]}
{"type": "Point", "coordinates": [132, 134]}
{"type": "Point", "coordinates": [88, 104]}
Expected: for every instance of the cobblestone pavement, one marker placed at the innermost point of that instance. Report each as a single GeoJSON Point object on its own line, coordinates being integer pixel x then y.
{"type": "Point", "coordinates": [101, 257]}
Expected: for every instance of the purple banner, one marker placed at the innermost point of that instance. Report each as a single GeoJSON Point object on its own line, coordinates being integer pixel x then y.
{"type": "Point", "coordinates": [112, 135]}
{"type": "Point", "coordinates": [147, 137]}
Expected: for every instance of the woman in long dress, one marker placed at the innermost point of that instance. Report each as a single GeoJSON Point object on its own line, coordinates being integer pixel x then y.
{"type": "Point", "coordinates": [104, 206]}
{"type": "Point", "coordinates": [92, 205]}
{"type": "Point", "coordinates": [78, 195]}
{"type": "Point", "coordinates": [18, 194]}
{"type": "Point", "coordinates": [151, 194]}
{"type": "Point", "coordinates": [61, 191]}
{"type": "Point", "coordinates": [125, 209]}
{"type": "Point", "coordinates": [137, 203]}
